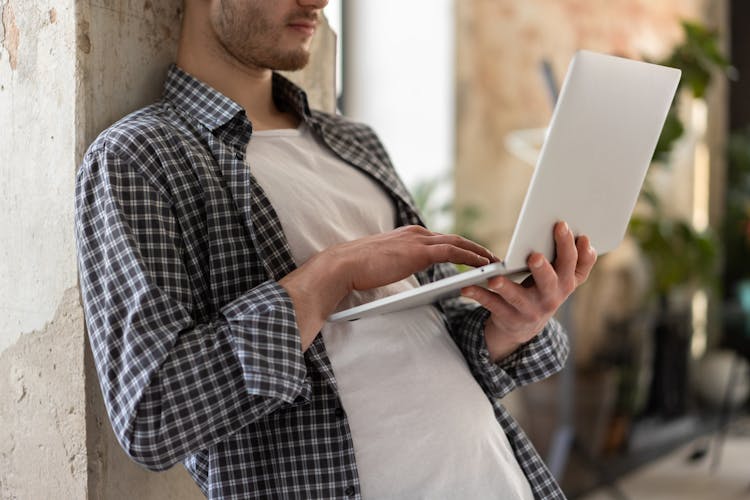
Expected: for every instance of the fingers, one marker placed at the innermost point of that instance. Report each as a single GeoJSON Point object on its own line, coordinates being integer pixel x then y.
{"type": "Point", "coordinates": [460, 242]}
{"type": "Point", "coordinates": [545, 277]}
{"type": "Point", "coordinates": [586, 259]}
{"type": "Point", "coordinates": [449, 247]}
{"type": "Point", "coordinates": [517, 298]}
{"type": "Point", "coordinates": [384, 258]}
{"type": "Point", "coordinates": [566, 258]}
{"type": "Point", "coordinates": [551, 284]}
{"type": "Point", "coordinates": [446, 252]}
{"type": "Point", "coordinates": [491, 301]}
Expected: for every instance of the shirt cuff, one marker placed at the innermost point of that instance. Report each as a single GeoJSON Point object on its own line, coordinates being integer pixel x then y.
{"type": "Point", "coordinates": [493, 377]}
{"type": "Point", "coordinates": [267, 342]}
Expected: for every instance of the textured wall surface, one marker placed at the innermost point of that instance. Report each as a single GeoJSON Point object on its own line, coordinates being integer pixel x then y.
{"type": "Point", "coordinates": [42, 411]}
{"type": "Point", "coordinates": [124, 50]}
{"type": "Point", "coordinates": [500, 45]}
{"type": "Point", "coordinates": [68, 69]}
{"type": "Point", "coordinates": [37, 108]}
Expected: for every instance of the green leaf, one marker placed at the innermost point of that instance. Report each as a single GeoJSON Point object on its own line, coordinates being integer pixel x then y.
{"type": "Point", "coordinates": [672, 130]}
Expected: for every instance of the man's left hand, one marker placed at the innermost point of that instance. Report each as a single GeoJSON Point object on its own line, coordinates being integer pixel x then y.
{"type": "Point", "coordinates": [520, 311]}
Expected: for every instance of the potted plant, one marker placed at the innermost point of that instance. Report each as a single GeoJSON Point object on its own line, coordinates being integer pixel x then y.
{"type": "Point", "coordinates": [681, 258]}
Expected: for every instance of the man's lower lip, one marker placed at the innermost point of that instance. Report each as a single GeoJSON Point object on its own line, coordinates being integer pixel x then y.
{"type": "Point", "coordinates": [307, 30]}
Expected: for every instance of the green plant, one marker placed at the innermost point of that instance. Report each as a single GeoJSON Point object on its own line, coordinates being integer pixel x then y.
{"type": "Point", "coordinates": [440, 212]}
{"type": "Point", "coordinates": [698, 57]}
{"type": "Point", "coordinates": [679, 254]}
{"type": "Point", "coordinates": [681, 258]}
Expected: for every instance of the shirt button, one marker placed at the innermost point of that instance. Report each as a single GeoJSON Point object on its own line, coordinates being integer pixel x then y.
{"type": "Point", "coordinates": [239, 156]}
{"type": "Point", "coordinates": [339, 412]}
{"type": "Point", "coordinates": [349, 491]}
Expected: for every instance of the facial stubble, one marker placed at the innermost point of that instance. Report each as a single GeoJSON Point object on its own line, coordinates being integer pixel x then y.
{"type": "Point", "coordinates": [246, 33]}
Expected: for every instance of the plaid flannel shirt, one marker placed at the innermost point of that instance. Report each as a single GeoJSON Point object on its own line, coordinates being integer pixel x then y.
{"type": "Point", "coordinates": [196, 344]}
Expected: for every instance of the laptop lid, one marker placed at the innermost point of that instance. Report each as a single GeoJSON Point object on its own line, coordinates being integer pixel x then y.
{"type": "Point", "coordinates": [598, 148]}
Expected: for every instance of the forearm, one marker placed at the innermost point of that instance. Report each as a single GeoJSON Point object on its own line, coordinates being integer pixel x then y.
{"type": "Point", "coordinates": [173, 387]}
{"type": "Point", "coordinates": [535, 360]}
{"type": "Point", "coordinates": [315, 289]}
{"type": "Point", "coordinates": [499, 346]}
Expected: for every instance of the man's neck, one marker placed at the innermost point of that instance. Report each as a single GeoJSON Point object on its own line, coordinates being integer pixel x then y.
{"type": "Point", "coordinates": [250, 87]}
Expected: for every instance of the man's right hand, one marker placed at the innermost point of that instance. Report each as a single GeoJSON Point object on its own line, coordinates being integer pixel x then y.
{"type": "Point", "coordinates": [322, 282]}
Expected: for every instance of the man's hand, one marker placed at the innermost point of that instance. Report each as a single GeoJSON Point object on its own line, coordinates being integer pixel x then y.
{"type": "Point", "coordinates": [520, 312]}
{"type": "Point", "coordinates": [322, 282]}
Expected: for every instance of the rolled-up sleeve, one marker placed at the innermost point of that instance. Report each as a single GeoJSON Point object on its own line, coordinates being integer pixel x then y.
{"type": "Point", "coordinates": [171, 386]}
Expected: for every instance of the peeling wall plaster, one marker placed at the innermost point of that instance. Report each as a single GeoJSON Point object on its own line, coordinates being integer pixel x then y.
{"type": "Point", "coordinates": [11, 36]}
{"type": "Point", "coordinates": [42, 436]}
{"type": "Point", "coordinates": [37, 156]}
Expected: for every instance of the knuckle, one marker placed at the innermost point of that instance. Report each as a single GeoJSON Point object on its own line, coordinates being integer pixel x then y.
{"type": "Point", "coordinates": [515, 301]}
{"type": "Point", "coordinates": [413, 228]}
{"type": "Point", "coordinates": [440, 251]}
{"type": "Point", "coordinates": [567, 285]}
{"type": "Point", "coordinates": [481, 297]}
{"type": "Point", "coordinates": [549, 304]}
{"type": "Point", "coordinates": [454, 252]}
{"type": "Point", "coordinates": [455, 239]}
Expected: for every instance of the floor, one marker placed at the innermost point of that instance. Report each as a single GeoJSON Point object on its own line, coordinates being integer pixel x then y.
{"type": "Point", "coordinates": [677, 476]}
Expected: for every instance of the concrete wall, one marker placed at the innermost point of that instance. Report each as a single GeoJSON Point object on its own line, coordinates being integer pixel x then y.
{"type": "Point", "coordinates": [37, 85]}
{"type": "Point", "coordinates": [67, 70]}
{"type": "Point", "coordinates": [124, 50]}
{"type": "Point", "coordinates": [42, 392]}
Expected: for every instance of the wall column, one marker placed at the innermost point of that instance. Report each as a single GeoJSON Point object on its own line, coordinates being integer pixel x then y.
{"type": "Point", "coordinates": [68, 69]}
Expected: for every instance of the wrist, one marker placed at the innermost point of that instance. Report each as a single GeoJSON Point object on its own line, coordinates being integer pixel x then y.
{"type": "Point", "coordinates": [334, 269]}
{"type": "Point", "coordinates": [499, 344]}
{"type": "Point", "coordinates": [316, 288]}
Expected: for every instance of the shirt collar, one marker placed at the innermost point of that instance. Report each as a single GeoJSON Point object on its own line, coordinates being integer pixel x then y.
{"type": "Point", "coordinates": [214, 110]}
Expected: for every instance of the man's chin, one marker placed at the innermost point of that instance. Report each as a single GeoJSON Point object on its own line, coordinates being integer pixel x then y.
{"type": "Point", "coordinates": [292, 62]}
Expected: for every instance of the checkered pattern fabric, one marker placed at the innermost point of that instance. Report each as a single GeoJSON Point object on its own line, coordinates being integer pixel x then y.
{"type": "Point", "coordinates": [196, 344]}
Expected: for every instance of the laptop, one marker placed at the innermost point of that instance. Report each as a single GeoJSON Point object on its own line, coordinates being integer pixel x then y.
{"type": "Point", "coordinates": [589, 172]}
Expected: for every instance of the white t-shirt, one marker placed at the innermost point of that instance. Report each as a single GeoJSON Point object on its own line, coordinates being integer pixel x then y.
{"type": "Point", "coordinates": [421, 425]}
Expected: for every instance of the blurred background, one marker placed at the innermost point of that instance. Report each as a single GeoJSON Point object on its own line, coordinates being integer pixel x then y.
{"type": "Point", "coordinates": [653, 402]}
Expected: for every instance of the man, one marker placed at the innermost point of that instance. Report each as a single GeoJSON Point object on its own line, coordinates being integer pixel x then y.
{"type": "Point", "coordinates": [218, 228]}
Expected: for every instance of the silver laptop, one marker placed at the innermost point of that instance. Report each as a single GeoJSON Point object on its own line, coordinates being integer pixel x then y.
{"type": "Point", "coordinates": [590, 170]}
